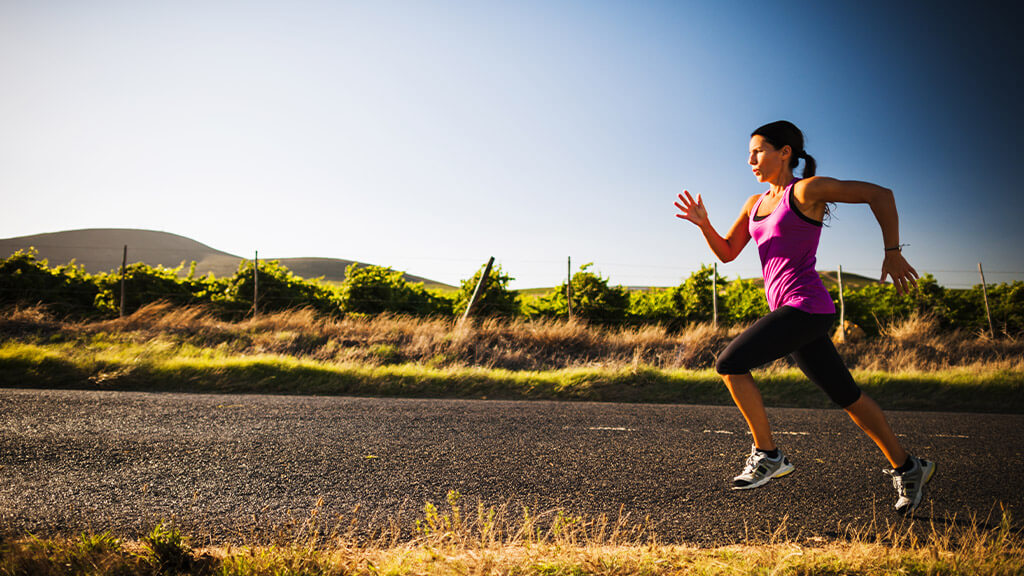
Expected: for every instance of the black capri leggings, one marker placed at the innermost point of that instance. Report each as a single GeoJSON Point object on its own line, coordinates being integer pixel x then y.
{"type": "Point", "coordinates": [802, 335]}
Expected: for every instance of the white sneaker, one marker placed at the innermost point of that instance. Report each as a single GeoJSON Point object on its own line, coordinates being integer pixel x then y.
{"type": "Point", "coordinates": [910, 484]}
{"type": "Point", "coordinates": [760, 469]}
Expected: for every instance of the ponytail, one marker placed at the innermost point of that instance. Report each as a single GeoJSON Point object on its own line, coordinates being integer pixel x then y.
{"type": "Point", "coordinates": [810, 166]}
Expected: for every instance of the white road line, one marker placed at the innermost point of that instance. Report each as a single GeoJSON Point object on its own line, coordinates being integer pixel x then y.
{"type": "Point", "coordinates": [613, 428]}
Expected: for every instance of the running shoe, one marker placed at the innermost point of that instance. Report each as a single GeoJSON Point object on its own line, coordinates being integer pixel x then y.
{"type": "Point", "coordinates": [910, 484]}
{"type": "Point", "coordinates": [760, 468]}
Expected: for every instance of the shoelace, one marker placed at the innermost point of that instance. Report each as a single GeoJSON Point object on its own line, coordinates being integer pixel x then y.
{"type": "Point", "coordinates": [752, 462]}
{"type": "Point", "coordinates": [897, 482]}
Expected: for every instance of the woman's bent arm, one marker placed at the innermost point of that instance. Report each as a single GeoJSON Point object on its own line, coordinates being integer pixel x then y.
{"type": "Point", "coordinates": [883, 206]}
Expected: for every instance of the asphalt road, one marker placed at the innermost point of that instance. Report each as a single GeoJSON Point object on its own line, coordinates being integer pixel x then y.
{"type": "Point", "coordinates": [241, 467]}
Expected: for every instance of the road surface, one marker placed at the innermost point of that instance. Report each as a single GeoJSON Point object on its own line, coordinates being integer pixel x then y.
{"type": "Point", "coordinates": [241, 467]}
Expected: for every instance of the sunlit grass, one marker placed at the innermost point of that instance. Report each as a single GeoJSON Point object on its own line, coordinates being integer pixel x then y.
{"type": "Point", "coordinates": [165, 348]}
{"type": "Point", "coordinates": [165, 364]}
{"type": "Point", "coordinates": [451, 539]}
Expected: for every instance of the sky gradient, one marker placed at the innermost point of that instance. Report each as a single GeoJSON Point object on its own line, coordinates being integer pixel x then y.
{"type": "Point", "coordinates": [428, 136]}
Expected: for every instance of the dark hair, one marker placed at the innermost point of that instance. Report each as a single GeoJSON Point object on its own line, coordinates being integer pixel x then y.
{"type": "Point", "coordinates": [783, 133]}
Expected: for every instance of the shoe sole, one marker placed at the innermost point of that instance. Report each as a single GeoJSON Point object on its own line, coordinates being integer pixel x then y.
{"type": "Point", "coordinates": [784, 470]}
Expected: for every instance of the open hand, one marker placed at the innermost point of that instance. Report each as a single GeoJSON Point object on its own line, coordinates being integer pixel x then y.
{"type": "Point", "coordinates": [903, 274]}
{"type": "Point", "coordinates": [692, 210]}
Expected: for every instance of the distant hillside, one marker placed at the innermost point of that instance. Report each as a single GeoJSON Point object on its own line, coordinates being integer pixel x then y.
{"type": "Point", "coordinates": [850, 280]}
{"type": "Point", "coordinates": [100, 250]}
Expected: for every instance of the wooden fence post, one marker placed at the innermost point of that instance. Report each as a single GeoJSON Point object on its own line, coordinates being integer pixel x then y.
{"type": "Point", "coordinates": [256, 283]}
{"type": "Point", "coordinates": [842, 306]}
{"type": "Point", "coordinates": [478, 292]}
{"type": "Point", "coordinates": [568, 286]}
{"type": "Point", "coordinates": [124, 266]}
{"type": "Point", "coordinates": [984, 293]}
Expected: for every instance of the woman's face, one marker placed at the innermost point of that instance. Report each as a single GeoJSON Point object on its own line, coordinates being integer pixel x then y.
{"type": "Point", "coordinates": [767, 162]}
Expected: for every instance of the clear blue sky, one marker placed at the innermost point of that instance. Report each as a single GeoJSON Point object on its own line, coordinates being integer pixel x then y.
{"type": "Point", "coordinates": [430, 135]}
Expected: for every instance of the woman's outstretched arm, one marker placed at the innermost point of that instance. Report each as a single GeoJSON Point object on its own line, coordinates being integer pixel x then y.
{"type": "Point", "coordinates": [819, 191]}
{"type": "Point", "coordinates": [727, 248]}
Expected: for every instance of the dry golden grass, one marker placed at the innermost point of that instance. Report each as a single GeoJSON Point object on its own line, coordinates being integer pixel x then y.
{"type": "Point", "coordinates": [913, 344]}
{"type": "Point", "coordinates": [485, 540]}
{"type": "Point", "coordinates": [917, 344]}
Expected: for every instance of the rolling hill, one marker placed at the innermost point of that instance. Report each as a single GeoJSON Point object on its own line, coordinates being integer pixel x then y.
{"type": "Point", "coordinates": [101, 250]}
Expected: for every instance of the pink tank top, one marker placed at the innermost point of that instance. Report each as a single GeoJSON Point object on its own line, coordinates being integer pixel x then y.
{"type": "Point", "coordinates": [787, 241]}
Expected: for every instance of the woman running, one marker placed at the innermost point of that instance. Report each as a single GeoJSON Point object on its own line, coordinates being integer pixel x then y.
{"type": "Point", "coordinates": [786, 223]}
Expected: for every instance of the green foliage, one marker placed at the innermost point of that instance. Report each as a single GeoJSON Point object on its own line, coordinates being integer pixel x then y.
{"type": "Point", "coordinates": [386, 353]}
{"type": "Point", "coordinates": [592, 299]}
{"type": "Point", "coordinates": [26, 280]}
{"type": "Point", "coordinates": [496, 300]}
{"type": "Point", "coordinates": [1006, 303]}
{"type": "Point", "coordinates": [279, 289]}
{"type": "Point", "coordinates": [167, 549]}
{"type": "Point", "coordinates": [377, 289]}
{"type": "Point", "coordinates": [876, 305]}
{"type": "Point", "coordinates": [92, 543]}
{"type": "Point", "coordinates": [68, 290]}
{"type": "Point", "coordinates": [743, 302]}
{"type": "Point", "coordinates": [692, 299]}
{"type": "Point", "coordinates": [654, 305]}
{"type": "Point", "coordinates": [739, 301]}
{"type": "Point", "coordinates": [144, 284]}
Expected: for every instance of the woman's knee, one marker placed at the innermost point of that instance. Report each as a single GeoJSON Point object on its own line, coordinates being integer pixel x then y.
{"type": "Point", "coordinates": [848, 396]}
{"type": "Point", "coordinates": [729, 365]}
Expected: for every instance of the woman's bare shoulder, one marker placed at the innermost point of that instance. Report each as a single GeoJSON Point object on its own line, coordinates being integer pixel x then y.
{"type": "Point", "coordinates": [749, 204]}
{"type": "Point", "coordinates": [825, 189]}
{"type": "Point", "coordinates": [805, 189]}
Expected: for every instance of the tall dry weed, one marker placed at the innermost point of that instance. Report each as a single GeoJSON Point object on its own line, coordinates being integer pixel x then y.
{"type": "Point", "coordinates": [914, 329]}
{"type": "Point", "coordinates": [296, 320]}
{"type": "Point", "coordinates": [161, 317]}
{"type": "Point", "coordinates": [698, 345]}
{"type": "Point", "coordinates": [27, 319]}
{"type": "Point", "coordinates": [913, 344]}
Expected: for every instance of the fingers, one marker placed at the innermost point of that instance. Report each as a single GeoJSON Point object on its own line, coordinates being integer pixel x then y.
{"type": "Point", "coordinates": [904, 276]}
{"type": "Point", "coordinates": [689, 208]}
{"type": "Point", "coordinates": [908, 277]}
{"type": "Point", "coordinates": [686, 202]}
{"type": "Point", "coordinates": [902, 282]}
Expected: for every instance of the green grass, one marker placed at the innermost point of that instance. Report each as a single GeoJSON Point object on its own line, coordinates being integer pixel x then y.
{"type": "Point", "coordinates": [162, 364]}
